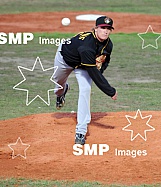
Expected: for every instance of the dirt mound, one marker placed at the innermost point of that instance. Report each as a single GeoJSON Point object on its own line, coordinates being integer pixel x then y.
{"type": "Point", "coordinates": [51, 22]}
{"type": "Point", "coordinates": [51, 140]}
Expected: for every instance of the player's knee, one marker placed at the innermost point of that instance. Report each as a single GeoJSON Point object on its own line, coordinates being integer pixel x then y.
{"type": "Point", "coordinates": [85, 89]}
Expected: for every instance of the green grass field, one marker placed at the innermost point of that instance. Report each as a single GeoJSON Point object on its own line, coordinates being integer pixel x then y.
{"type": "Point", "coordinates": [136, 6]}
{"type": "Point", "coordinates": [135, 72]}
{"type": "Point", "coordinates": [42, 183]}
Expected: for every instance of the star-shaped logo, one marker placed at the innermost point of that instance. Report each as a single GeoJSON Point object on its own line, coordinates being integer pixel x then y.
{"type": "Point", "coordinates": [39, 80]}
{"type": "Point", "coordinates": [138, 125]}
{"type": "Point", "coordinates": [19, 148]}
{"type": "Point", "coordinates": [153, 41]}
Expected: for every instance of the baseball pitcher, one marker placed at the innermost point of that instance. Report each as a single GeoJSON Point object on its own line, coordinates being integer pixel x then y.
{"type": "Point", "coordinates": [88, 55]}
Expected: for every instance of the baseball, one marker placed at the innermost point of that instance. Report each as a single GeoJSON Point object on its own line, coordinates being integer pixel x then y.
{"type": "Point", "coordinates": [65, 21]}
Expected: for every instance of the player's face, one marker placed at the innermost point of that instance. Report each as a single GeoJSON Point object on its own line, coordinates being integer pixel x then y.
{"type": "Point", "coordinates": [102, 33]}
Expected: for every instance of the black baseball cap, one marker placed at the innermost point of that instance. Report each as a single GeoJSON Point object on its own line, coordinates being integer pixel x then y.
{"type": "Point", "coordinates": [104, 21]}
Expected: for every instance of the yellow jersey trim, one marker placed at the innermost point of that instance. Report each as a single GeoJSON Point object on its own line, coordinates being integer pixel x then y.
{"type": "Point", "coordinates": [88, 64]}
{"type": "Point", "coordinates": [104, 46]}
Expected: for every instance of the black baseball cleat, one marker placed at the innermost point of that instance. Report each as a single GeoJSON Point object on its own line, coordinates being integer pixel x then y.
{"type": "Point", "coordinates": [60, 101]}
{"type": "Point", "coordinates": [79, 139]}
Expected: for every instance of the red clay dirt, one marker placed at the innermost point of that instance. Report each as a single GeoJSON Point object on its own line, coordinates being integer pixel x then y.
{"type": "Point", "coordinates": [51, 140]}
{"type": "Point", "coordinates": [51, 136]}
{"type": "Point", "coordinates": [51, 22]}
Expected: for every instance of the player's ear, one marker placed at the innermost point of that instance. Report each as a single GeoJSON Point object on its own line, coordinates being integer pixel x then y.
{"type": "Point", "coordinates": [95, 29]}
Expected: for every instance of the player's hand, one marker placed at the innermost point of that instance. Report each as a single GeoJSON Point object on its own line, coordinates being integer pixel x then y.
{"type": "Point", "coordinates": [114, 97]}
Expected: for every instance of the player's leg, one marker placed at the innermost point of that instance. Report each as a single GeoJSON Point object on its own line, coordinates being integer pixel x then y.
{"type": "Point", "coordinates": [60, 77]}
{"type": "Point", "coordinates": [83, 112]}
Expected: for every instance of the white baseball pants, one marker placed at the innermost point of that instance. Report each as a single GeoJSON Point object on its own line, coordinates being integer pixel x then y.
{"type": "Point", "coordinates": [84, 83]}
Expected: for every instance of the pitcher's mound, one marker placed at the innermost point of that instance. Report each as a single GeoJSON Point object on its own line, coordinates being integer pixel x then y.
{"type": "Point", "coordinates": [51, 154]}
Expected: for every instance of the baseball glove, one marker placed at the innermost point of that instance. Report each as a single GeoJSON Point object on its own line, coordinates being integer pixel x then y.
{"type": "Point", "coordinates": [100, 60]}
